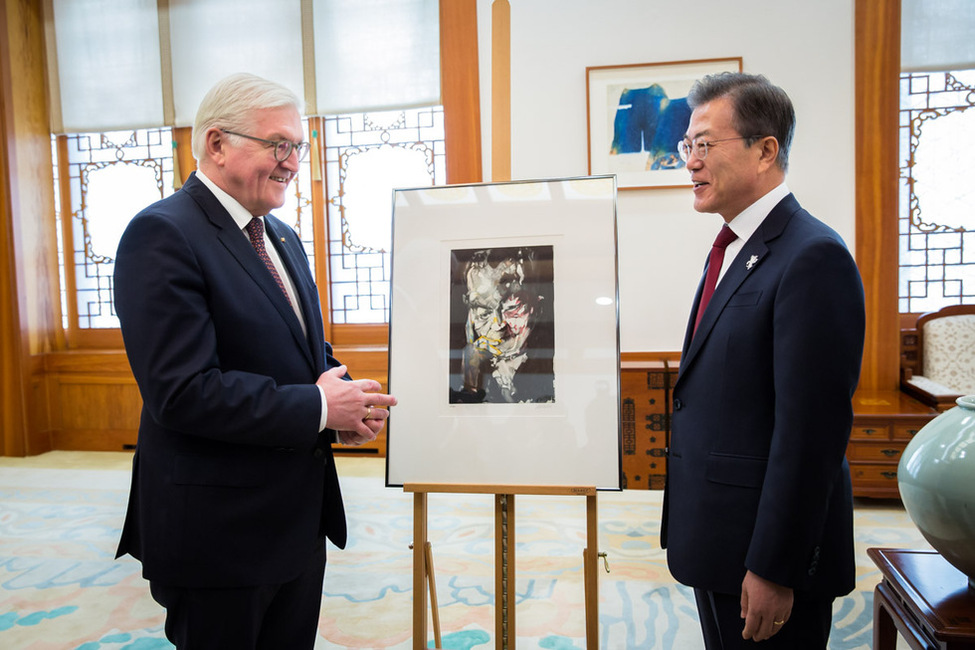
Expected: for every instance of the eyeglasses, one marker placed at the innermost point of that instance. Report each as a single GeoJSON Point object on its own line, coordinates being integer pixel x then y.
{"type": "Point", "coordinates": [282, 148]}
{"type": "Point", "coordinates": [700, 147]}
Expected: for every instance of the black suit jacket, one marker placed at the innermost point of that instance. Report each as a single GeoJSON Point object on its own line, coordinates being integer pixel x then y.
{"type": "Point", "coordinates": [232, 484]}
{"type": "Point", "coordinates": [757, 477]}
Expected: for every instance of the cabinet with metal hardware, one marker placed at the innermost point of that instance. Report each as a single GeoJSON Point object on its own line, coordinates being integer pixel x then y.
{"type": "Point", "coordinates": [883, 423]}
{"type": "Point", "coordinates": [645, 407]}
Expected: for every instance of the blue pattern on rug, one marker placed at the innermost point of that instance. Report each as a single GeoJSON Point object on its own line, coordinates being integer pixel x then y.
{"type": "Point", "coordinates": [558, 643]}
{"type": "Point", "coordinates": [10, 619]}
{"type": "Point", "coordinates": [106, 643]}
{"type": "Point", "coordinates": [461, 640]}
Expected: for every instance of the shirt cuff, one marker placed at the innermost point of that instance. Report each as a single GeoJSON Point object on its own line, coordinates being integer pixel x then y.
{"type": "Point", "coordinates": [324, 418]}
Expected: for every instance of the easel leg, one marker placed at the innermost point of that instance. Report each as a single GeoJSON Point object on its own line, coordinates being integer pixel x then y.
{"type": "Point", "coordinates": [434, 607]}
{"type": "Point", "coordinates": [419, 571]}
{"type": "Point", "coordinates": [589, 566]}
{"type": "Point", "coordinates": [504, 533]}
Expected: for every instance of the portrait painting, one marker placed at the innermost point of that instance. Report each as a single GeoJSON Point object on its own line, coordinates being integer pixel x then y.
{"type": "Point", "coordinates": [637, 115]}
{"type": "Point", "coordinates": [501, 325]}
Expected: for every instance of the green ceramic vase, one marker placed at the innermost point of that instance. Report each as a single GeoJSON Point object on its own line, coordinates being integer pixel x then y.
{"type": "Point", "coordinates": [936, 476]}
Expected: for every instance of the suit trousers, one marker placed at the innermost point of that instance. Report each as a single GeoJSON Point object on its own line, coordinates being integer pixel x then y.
{"type": "Point", "coordinates": [263, 617]}
{"type": "Point", "coordinates": [808, 626]}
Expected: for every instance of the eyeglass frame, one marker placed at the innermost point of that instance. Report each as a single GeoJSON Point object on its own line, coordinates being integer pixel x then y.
{"type": "Point", "coordinates": [301, 148]}
{"type": "Point", "coordinates": [684, 147]}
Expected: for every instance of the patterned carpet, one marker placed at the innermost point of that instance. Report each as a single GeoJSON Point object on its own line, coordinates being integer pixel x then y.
{"type": "Point", "coordinates": [60, 588]}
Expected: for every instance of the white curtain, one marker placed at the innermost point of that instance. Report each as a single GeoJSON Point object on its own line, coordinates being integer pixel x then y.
{"type": "Point", "coordinates": [937, 35]}
{"type": "Point", "coordinates": [108, 65]}
{"type": "Point", "coordinates": [375, 54]}
{"type": "Point", "coordinates": [215, 38]}
{"type": "Point", "coordinates": [123, 64]}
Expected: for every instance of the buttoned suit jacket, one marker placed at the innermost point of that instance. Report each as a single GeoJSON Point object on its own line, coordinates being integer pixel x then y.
{"type": "Point", "coordinates": [232, 483]}
{"type": "Point", "coordinates": [757, 477]}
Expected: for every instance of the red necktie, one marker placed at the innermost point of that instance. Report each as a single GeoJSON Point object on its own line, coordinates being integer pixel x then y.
{"type": "Point", "coordinates": [715, 260]}
{"type": "Point", "coordinates": [256, 231]}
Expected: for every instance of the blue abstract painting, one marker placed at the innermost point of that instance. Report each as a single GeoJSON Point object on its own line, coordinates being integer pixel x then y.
{"type": "Point", "coordinates": [637, 115]}
{"type": "Point", "coordinates": [649, 122]}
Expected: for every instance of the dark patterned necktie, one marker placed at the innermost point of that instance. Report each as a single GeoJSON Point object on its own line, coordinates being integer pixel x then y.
{"type": "Point", "coordinates": [256, 231]}
{"type": "Point", "coordinates": [715, 260]}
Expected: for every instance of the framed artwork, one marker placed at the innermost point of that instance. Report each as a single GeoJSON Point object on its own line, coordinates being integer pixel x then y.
{"type": "Point", "coordinates": [504, 335]}
{"type": "Point", "coordinates": [637, 114]}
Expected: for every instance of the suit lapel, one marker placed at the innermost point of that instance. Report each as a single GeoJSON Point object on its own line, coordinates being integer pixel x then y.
{"type": "Point", "coordinates": [689, 330]}
{"type": "Point", "coordinates": [748, 261]}
{"type": "Point", "coordinates": [241, 249]}
{"type": "Point", "coordinates": [289, 249]}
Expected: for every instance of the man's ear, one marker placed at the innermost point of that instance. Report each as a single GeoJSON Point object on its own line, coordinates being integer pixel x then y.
{"type": "Point", "coordinates": [769, 152]}
{"type": "Point", "coordinates": [216, 145]}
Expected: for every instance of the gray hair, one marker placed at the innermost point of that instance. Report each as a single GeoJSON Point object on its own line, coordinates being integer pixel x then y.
{"type": "Point", "coordinates": [230, 102]}
{"type": "Point", "coordinates": [760, 108]}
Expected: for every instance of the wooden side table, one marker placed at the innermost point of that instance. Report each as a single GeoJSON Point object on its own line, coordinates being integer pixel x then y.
{"type": "Point", "coordinates": [924, 598]}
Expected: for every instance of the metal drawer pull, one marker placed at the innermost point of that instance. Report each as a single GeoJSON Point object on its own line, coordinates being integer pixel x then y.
{"type": "Point", "coordinates": [889, 474]}
{"type": "Point", "coordinates": [890, 452]}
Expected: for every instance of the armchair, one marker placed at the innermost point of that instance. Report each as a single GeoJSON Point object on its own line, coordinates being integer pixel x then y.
{"type": "Point", "coordinates": [945, 367]}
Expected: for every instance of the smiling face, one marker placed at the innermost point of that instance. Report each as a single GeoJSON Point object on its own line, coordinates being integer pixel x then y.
{"type": "Point", "coordinates": [246, 169]}
{"type": "Point", "coordinates": [735, 174]}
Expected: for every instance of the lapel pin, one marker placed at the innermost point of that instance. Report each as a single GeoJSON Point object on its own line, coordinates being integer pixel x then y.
{"type": "Point", "coordinates": [282, 240]}
{"type": "Point", "coordinates": [752, 261]}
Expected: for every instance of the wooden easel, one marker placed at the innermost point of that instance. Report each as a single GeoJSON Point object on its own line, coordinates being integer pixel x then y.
{"type": "Point", "coordinates": [504, 518]}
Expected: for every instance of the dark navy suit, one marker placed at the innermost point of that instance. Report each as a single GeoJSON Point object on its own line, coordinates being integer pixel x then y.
{"type": "Point", "coordinates": [756, 477]}
{"type": "Point", "coordinates": [233, 485]}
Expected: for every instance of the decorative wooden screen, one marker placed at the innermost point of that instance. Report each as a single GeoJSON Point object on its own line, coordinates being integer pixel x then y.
{"type": "Point", "coordinates": [110, 177]}
{"type": "Point", "coordinates": [367, 155]}
{"type": "Point", "coordinates": [937, 195]}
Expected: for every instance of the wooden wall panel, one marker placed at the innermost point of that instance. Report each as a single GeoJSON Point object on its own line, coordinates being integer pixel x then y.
{"type": "Point", "coordinates": [877, 69]}
{"type": "Point", "coordinates": [29, 299]}
{"type": "Point", "coordinates": [32, 179]}
{"type": "Point", "coordinates": [92, 402]}
{"type": "Point", "coordinates": [12, 398]}
{"type": "Point", "coordinates": [95, 402]}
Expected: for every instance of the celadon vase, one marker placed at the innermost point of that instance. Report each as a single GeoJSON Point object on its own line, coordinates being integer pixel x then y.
{"type": "Point", "coordinates": [936, 476]}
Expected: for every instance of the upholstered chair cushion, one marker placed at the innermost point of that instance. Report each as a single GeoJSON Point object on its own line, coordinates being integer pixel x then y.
{"type": "Point", "coordinates": [949, 353]}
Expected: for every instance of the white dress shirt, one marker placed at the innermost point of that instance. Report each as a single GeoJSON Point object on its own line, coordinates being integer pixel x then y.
{"type": "Point", "coordinates": [748, 221]}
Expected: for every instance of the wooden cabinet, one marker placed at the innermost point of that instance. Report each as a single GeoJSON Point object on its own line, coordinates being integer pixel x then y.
{"type": "Point", "coordinates": [883, 423]}
{"type": "Point", "coordinates": [645, 396]}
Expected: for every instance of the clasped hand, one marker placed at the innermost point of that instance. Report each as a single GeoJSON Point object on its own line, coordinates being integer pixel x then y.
{"type": "Point", "coordinates": [356, 409]}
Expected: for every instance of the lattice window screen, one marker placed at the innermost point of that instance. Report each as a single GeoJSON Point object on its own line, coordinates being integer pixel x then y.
{"type": "Point", "coordinates": [367, 155]}
{"type": "Point", "coordinates": [937, 195]}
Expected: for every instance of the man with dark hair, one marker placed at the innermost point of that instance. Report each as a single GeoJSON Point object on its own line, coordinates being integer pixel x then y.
{"type": "Point", "coordinates": [758, 508]}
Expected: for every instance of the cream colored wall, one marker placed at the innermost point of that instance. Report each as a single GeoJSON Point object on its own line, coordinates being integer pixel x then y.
{"type": "Point", "coordinates": [805, 47]}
